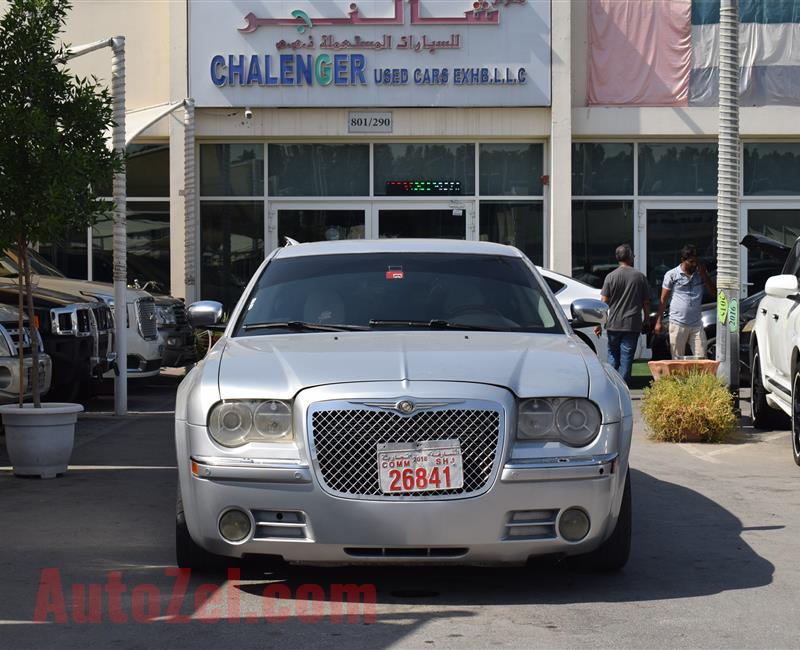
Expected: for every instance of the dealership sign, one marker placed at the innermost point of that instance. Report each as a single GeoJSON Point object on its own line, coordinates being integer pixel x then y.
{"type": "Point", "coordinates": [375, 53]}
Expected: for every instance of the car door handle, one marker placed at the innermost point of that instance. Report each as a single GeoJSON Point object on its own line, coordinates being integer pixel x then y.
{"type": "Point", "coordinates": [775, 316]}
{"type": "Point", "coordinates": [763, 311]}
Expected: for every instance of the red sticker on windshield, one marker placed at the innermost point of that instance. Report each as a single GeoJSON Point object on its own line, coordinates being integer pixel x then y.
{"type": "Point", "coordinates": [394, 273]}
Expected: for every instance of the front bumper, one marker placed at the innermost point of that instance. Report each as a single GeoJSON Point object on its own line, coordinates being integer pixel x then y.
{"type": "Point", "coordinates": [293, 517]}
{"type": "Point", "coordinates": [178, 344]}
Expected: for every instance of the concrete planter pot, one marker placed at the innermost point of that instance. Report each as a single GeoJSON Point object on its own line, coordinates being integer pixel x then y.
{"type": "Point", "coordinates": [661, 369]}
{"type": "Point", "coordinates": [39, 441]}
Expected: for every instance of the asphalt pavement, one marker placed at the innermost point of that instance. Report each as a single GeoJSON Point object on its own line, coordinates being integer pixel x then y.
{"type": "Point", "coordinates": [714, 561]}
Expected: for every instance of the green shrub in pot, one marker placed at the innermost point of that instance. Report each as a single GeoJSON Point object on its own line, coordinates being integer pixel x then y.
{"type": "Point", "coordinates": [689, 407]}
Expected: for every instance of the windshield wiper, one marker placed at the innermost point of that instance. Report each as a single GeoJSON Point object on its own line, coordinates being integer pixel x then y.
{"type": "Point", "coordinates": [435, 324]}
{"type": "Point", "coordinates": [299, 325]}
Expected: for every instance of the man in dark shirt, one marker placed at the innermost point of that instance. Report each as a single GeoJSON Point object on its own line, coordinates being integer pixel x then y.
{"type": "Point", "coordinates": [626, 291]}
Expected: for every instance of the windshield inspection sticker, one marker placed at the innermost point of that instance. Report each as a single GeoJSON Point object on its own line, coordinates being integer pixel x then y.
{"type": "Point", "coordinates": [394, 273]}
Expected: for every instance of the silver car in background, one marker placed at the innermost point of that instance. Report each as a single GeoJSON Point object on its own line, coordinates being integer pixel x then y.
{"type": "Point", "coordinates": [402, 401]}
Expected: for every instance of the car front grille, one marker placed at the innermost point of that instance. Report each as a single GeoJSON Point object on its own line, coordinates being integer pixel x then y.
{"type": "Point", "coordinates": [179, 309]}
{"type": "Point", "coordinates": [146, 316]}
{"type": "Point", "coordinates": [345, 441]}
{"type": "Point", "coordinates": [103, 317]}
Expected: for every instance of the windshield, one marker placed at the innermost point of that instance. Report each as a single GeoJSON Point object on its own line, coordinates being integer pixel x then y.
{"type": "Point", "coordinates": [39, 265]}
{"type": "Point", "coordinates": [398, 291]}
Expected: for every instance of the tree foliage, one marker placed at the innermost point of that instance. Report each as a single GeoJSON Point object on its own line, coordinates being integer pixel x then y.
{"type": "Point", "coordinates": [52, 131]}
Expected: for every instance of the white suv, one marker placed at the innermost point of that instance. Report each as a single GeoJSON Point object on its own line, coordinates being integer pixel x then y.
{"type": "Point", "coordinates": [775, 353]}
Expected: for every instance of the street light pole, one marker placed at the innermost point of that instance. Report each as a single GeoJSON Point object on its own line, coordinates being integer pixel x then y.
{"type": "Point", "coordinates": [728, 285]}
{"type": "Point", "coordinates": [119, 239]}
{"type": "Point", "coordinates": [120, 235]}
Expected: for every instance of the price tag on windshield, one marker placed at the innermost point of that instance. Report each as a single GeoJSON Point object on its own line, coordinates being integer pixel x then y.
{"type": "Point", "coordinates": [394, 273]}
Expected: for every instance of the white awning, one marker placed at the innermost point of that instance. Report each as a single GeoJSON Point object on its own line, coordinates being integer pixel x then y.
{"type": "Point", "coordinates": [136, 122]}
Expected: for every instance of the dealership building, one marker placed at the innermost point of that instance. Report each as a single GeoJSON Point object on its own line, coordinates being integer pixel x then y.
{"type": "Point", "coordinates": [563, 128]}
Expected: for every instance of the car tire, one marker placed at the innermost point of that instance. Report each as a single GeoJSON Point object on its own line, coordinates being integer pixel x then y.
{"type": "Point", "coordinates": [188, 554]}
{"type": "Point", "coordinates": [763, 415]}
{"type": "Point", "coordinates": [612, 555]}
{"type": "Point", "coordinates": [796, 417]}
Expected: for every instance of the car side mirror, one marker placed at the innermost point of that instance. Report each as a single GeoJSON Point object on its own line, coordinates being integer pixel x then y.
{"type": "Point", "coordinates": [587, 312]}
{"type": "Point", "coordinates": [204, 314]}
{"type": "Point", "coordinates": [781, 286]}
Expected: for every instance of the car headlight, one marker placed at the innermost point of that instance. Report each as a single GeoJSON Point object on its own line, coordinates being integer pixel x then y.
{"type": "Point", "coordinates": [573, 421]}
{"type": "Point", "coordinates": [233, 424]}
{"type": "Point", "coordinates": [165, 315]}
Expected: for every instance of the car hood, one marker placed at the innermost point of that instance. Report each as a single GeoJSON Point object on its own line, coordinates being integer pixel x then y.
{"type": "Point", "coordinates": [279, 366]}
{"type": "Point", "coordinates": [84, 287]}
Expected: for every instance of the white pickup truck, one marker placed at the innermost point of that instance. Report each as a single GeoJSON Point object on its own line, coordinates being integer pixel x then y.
{"type": "Point", "coordinates": [775, 353]}
{"type": "Point", "coordinates": [144, 348]}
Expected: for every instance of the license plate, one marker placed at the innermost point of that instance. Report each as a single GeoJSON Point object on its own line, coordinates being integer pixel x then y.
{"type": "Point", "coordinates": [426, 466]}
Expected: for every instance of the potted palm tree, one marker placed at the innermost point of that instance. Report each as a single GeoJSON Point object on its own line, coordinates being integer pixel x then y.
{"type": "Point", "coordinates": [52, 152]}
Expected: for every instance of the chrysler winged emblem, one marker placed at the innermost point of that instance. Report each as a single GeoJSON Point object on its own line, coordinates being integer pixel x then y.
{"type": "Point", "coordinates": [406, 406]}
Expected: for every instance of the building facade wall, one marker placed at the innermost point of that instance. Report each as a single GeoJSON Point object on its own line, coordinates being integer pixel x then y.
{"type": "Point", "coordinates": [581, 221]}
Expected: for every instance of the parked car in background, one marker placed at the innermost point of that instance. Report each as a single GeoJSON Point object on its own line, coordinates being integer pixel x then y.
{"type": "Point", "coordinates": [775, 353]}
{"type": "Point", "coordinates": [175, 335]}
{"type": "Point", "coordinates": [144, 348]}
{"type": "Point", "coordinates": [567, 290]}
{"type": "Point", "coordinates": [10, 378]}
{"type": "Point", "coordinates": [402, 401]}
{"type": "Point", "coordinates": [77, 334]}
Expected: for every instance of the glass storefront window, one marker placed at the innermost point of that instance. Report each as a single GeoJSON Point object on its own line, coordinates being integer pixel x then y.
{"type": "Point", "coordinates": [602, 168]}
{"type": "Point", "coordinates": [146, 171]}
{"type": "Point", "coordinates": [598, 227]}
{"type": "Point", "coordinates": [411, 222]}
{"type": "Point", "coordinates": [516, 224]}
{"type": "Point", "coordinates": [320, 225]}
{"type": "Point", "coordinates": [424, 169]}
{"type": "Point", "coordinates": [779, 224]}
{"type": "Point", "coordinates": [231, 248]}
{"type": "Point", "coordinates": [231, 170]}
{"type": "Point", "coordinates": [318, 169]}
{"type": "Point", "coordinates": [148, 245]}
{"type": "Point", "coordinates": [673, 169]}
{"type": "Point", "coordinates": [69, 254]}
{"type": "Point", "coordinates": [668, 231]}
{"type": "Point", "coordinates": [771, 168]}
{"type": "Point", "coordinates": [511, 169]}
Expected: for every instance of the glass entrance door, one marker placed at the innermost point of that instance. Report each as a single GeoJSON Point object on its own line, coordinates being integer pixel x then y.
{"type": "Point", "coordinates": [308, 222]}
{"type": "Point", "coordinates": [668, 227]}
{"type": "Point", "coordinates": [433, 221]}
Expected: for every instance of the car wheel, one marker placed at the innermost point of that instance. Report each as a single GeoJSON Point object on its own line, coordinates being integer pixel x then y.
{"type": "Point", "coordinates": [764, 416]}
{"type": "Point", "coordinates": [711, 349]}
{"type": "Point", "coordinates": [612, 554]}
{"type": "Point", "coordinates": [796, 417]}
{"type": "Point", "coordinates": [188, 554]}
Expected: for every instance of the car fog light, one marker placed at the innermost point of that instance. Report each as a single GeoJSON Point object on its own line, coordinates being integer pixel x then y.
{"type": "Point", "coordinates": [573, 525]}
{"type": "Point", "coordinates": [234, 525]}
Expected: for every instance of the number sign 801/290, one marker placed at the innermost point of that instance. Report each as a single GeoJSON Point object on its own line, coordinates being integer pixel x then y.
{"type": "Point", "coordinates": [369, 122]}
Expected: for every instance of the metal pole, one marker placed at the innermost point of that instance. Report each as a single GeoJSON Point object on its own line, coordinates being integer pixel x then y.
{"type": "Point", "coordinates": [728, 196]}
{"type": "Point", "coordinates": [120, 274]}
{"type": "Point", "coordinates": [189, 202]}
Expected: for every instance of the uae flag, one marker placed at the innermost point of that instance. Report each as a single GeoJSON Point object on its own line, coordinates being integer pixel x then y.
{"type": "Point", "coordinates": [666, 52]}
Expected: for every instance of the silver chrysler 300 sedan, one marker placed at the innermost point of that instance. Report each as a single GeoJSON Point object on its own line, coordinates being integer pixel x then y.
{"type": "Point", "coordinates": [402, 401]}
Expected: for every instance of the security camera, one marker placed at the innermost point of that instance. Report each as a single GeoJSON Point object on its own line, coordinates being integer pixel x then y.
{"type": "Point", "coordinates": [248, 114]}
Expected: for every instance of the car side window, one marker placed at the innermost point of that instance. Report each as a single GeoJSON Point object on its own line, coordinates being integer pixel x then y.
{"type": "Point", "coordinates": [555, 285]}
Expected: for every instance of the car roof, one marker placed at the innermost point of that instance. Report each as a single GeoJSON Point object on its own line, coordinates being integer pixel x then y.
{"type": "Point", "coordinates": [353, 246]}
